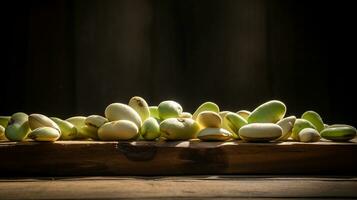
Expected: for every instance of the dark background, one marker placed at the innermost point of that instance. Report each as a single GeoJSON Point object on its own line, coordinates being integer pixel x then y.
{"type": "Point", "coordinates": [65, 58]}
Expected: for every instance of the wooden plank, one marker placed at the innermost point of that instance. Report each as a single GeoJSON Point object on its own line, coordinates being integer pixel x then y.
{"type": "Point", "coordinates": [65, 158]}
{"type": "Point", "coordinates": [196, 187]}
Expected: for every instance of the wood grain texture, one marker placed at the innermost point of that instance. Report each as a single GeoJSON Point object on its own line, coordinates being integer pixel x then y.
{"type": "Point", "coordinates": [66, 158]}
{"type": "Point", "coordinates": [184, 187]}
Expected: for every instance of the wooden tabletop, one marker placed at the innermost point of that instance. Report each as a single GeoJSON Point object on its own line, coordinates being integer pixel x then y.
{"type": "Point", "coordinates": [33, 170]}
{"type": "Point", "coordinates": [179, 187]}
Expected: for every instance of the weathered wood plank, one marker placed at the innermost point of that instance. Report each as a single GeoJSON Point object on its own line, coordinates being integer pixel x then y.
{"type": "Point", "coordinates": [201, 187]}
{"type": "Point", "coordinates": [66, 158]}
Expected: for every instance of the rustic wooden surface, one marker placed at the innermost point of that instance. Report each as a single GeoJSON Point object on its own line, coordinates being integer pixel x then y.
{"type": "Point", "coordinates": [95, 158]}
{"type": "Point", "coordinates": [187, 187]}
